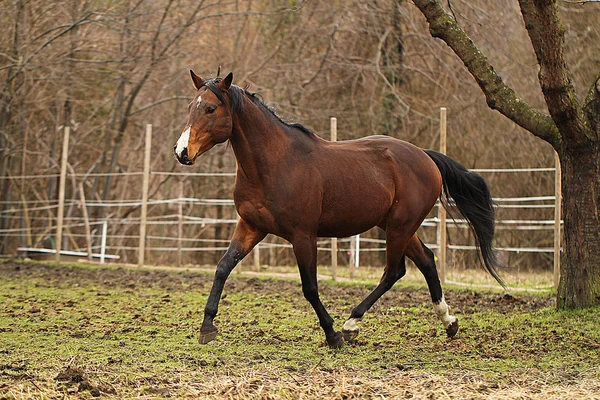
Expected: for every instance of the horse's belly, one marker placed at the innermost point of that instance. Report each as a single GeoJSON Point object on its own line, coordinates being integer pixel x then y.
{"type": "Point", "coordinates": [350, 228]}
{"type": "Point", "coordinates": [353, 213]}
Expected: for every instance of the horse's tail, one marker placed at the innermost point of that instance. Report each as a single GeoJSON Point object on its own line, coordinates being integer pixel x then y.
{"type": "Point", "coordinates": [473, 200]}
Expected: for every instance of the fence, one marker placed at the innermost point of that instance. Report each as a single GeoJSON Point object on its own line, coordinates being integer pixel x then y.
{"type": "Point", "coordinates": [350, 246]}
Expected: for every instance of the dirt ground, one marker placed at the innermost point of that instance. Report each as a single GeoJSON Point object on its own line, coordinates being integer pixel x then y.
{"type": "Point", "coordinates": [468, 301]}
{"type": "Point", "coordinates": [254, 368]}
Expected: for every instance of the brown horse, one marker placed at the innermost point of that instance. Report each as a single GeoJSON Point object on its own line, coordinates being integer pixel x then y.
{"type": "Point", "coordinates": [295, 185]}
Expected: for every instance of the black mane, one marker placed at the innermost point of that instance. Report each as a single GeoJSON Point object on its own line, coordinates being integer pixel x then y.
{"type": "Point", "coordinates": [236, 94]}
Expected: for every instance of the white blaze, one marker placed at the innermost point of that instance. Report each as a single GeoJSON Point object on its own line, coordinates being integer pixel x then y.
{"type": "Point", "coordinates": [182, 143]}
{"type": "Point", "coordinates": [441, 310]}
{"type": "Point", "coordinates": [199, 101]}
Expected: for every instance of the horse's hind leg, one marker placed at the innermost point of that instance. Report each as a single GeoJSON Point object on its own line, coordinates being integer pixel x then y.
{"type": "Point", "coordinates": [394, 270]}
{"type": "Point", "coordinates": [424, 259]}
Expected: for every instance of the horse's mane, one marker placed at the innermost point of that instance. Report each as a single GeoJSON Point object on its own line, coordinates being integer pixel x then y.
{"type": "Point", "coordinates": [236, 94]}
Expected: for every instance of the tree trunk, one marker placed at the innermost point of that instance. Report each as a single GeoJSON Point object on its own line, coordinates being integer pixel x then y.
{"type": "Point", "coordinates": [572, 129]}
{"type": "Point", "coordinates": [580, 265]}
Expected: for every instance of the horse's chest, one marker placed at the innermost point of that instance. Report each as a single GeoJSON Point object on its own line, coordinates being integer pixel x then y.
{"type": "Point", "coordinates": [279, 212]}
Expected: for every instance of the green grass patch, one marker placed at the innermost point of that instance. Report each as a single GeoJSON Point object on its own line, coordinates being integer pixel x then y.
{"type": "Point", "coordinates": [133, 332]}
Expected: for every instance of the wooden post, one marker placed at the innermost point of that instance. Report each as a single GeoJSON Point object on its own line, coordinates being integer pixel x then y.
{"type": "Point", "coordinates": [86, 222]}
{"type": "Point", "coordinates": [441, 234]}
{"type": "Point", "coordinates": [334, 242]}
{"type": "Point", "coordinates": [61, 192]}
{"type": "Point", "coordinates": [357, 251]}
{"type": "Point", "coordinates": [352, 256]}
{"type": "Point", "coordinates": [142, 244]}
{"type": "Point", "coordinates": [256, 256]}
{"type": "Point", "coordinates": [25, 221]}
{"type": "Point", "coordinates": [334, 261]}
{"type": "Point", "coordinates": [557, 218]}
{"type": "Point", "coordinates": [179, 223]}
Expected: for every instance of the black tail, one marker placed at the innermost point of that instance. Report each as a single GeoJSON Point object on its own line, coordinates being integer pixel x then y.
{"type": "Point", "coordinates": [474, 202]}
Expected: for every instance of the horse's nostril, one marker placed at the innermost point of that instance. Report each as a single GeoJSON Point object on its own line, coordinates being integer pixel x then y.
{"type": "Point", "coordinates": [183, 157]}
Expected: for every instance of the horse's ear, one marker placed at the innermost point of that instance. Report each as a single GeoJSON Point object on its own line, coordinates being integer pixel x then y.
{"type": "Point", "coordinates": [226, 82]}
{"type": "Point", "coordinates": [198, 82]}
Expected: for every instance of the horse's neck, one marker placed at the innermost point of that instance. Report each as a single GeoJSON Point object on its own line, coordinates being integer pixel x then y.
{"type": "Point", "coordinates": [258, 141]}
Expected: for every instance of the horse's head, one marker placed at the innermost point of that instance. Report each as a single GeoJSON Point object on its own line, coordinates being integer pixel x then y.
{"type": "Point", "coordinates": [209, 121]}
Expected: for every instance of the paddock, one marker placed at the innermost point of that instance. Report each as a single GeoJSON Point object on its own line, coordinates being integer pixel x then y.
{"type": "Point", "coordinates": [84, 331]}
{"type": "Point", "coordinates": [160, 222]}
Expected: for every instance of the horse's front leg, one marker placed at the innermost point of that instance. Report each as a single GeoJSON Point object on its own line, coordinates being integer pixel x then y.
{"type": "Point", "coordinates": [245, 237]}
{"type": "Point", "coordinates": [305, 249]}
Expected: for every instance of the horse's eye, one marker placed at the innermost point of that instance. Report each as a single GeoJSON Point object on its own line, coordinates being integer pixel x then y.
{"type": "Point", "coordinates": [211, 109]}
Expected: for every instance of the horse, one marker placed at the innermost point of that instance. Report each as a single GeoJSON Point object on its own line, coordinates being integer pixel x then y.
{"type": "Point", "coordinates": [293, 184]}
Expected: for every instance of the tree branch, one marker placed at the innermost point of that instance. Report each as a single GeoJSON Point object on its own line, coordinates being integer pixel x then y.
{"type": "Point", "coordinates": [405, 106]}
{"type": "Point", "coordinates": [82, 21]}
{"type": "Point", "coordinates": [498, 95]}
{"type": "Point", "coordinates": [592, 107]}
{"type": "Point", "coordinates": [156, 103]}
{"type": "Point", "coordinates": [547, 37]}
{"type": "Point", "coordinates": [159, 30]}
{"type": "Point", "coordinates": [324, 59]}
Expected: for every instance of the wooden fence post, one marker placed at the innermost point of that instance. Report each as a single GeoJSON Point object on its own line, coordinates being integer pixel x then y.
{"type": "Point", "coordinates": [86, 223]}
{"type": "Point", "coordinates": [180, 223]}
{"type": "Point", "coordinates": [557, 218]}
{"type": "Point", "coordinates": [142, 244]}
{"type": "Point", "coordinates": [334, 242]}
{"type": "Point", "coordinates": [357, 251]}
{"type": "Point", "coordinates": [256, 256]}
{"type": "Point", "coordinates": [441, 234]}
{"type": "Point", "coordinates": [25, 221]}
{"type": "Point", "coordinates": [352, 256]}
{"type": "Point", "coordinates": [61, 193]}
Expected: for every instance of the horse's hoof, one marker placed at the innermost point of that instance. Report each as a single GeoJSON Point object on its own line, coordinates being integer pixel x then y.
{"type": "Point", "coordinates": [350, 329]}
{"type": "Point", "coordinates": [207, 335]}
{"type": "Point", "coordinates": [335, 341]}
{"type": "Point", "coordinates": [452, 329]}
{"type": "Point", "coordinates": [350, 335]}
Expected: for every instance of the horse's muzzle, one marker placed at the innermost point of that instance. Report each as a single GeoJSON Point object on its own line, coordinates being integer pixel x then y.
{"type": "Point", "coordinates": [183, 157]}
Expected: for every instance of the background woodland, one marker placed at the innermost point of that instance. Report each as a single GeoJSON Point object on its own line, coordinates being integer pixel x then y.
{"type": "Point", "coordinates": [107, 68]}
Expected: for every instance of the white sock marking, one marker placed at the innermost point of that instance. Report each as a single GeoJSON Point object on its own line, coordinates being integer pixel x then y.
{"type": "Point", "coordinates": [441, 310]}
{"type": "Point", "coordinates": [182, 143]}
{"type": "Point", "coordinates": [350, 324]}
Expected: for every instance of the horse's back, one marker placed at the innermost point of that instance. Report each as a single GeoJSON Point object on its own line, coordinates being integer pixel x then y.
{"type": "Point", "coordinates": [367, 178]}
{"type": "Point", "coordinates": [400, 159]}
{"type": "Point", "coordinates": [417, 179]}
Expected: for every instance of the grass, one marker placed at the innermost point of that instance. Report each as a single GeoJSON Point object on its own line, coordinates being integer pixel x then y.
{"type": "Point", "coordinates": [85, 331]}
{"type": "Point", "coordinates": [519, 281]}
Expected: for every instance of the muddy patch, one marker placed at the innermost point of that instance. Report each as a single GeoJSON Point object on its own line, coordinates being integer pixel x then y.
{"type": "Point", "coordinates": [105, 279]}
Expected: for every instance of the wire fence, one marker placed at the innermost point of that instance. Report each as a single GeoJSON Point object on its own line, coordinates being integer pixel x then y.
{"type": "Point", "coordinates": [37, 226]}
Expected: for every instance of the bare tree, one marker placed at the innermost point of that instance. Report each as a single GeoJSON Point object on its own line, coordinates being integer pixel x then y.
{"type": "Point", "coordinates": [106, 69]}
{"type": "Point", "coordinates": [572, 127]}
